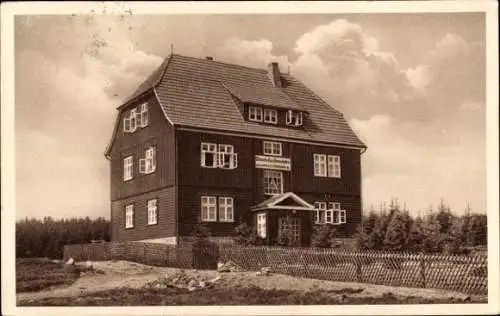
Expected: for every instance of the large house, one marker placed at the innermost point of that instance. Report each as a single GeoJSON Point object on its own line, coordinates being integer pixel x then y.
{"type": "Point", "coordinates": [202, 141]}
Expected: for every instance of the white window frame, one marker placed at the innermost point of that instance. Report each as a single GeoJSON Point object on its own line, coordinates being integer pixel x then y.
{"type": "Point", "coordinates": [334, 170]}
{"type": "Point", "coordinates": [208, 208]}
{"type": "Point", "coordinates": [128, 168]}
{"type": "Point", "coordinates": [226, 209]}
{"type": "Point", "coordinates": [255, 114]}
{"type": "Point", "coordinates": [133, 120]}
{"type": "Point", "coordinates": [272, 116]}
{"type": "Point", "coordinates": [226, 157]}
{"type": "Point", "coordinates": [152, 211]}
{"type": "Point", "coordinates": [144, 114]}
{"type": "Point", "coordinates": [294, 118]}
{"type": "Point", "coordinates": [261, 225]}
{"type": "Point", "coordinates": [209, 148]}
{"type": "Point", "coordinates": [272, 148]}
{"type": "Point", "coordinates": [335, 213]}
{"type": "Point", "coordinates": [320, 165]}
{"type": "Point", "coordinates": [150, 160]}
{"type": "Point", "coordinates": [320, 212]}
{"type": "Point", "coordinates": [129, 216]}
{"type": "Point", "coordinates": [272, 174]}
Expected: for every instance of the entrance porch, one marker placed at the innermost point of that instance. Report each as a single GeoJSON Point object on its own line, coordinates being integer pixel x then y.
{"type": "Point", "coordinates": [284, 219]}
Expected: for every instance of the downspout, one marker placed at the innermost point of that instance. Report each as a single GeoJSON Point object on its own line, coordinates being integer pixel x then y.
{"type": "Point", "coordinates": [362, 151]}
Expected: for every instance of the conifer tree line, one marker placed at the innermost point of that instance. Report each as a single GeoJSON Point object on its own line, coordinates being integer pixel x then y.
{"type": "Point", "coordinates": [46, 237]}
{"type": "Point", "coordinates": [437, 231]}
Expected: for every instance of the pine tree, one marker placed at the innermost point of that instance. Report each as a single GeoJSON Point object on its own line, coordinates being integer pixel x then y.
{"type": "Point", "coordinates": [396, 234]}
{"type": "Point", "coordinates": [416, 235]}
{"type": "Point", "coordinates": [431, 229]}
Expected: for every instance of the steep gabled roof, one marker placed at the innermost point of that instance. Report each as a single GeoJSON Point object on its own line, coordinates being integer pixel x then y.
{"type": "Point", "coordinates": [198, 93]}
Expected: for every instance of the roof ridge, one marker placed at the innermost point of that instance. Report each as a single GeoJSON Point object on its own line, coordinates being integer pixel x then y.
{"type": "Point", "coordinates": [222, 63]}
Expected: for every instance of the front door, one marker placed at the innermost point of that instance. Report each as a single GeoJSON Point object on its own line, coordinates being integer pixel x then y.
{"type": "Point", "coordinates": [290, 228]}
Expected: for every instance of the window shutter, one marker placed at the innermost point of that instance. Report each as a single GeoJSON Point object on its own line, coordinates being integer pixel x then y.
{"type": "Point", "coordinates": [289, 117]}
{"type": "Point", "coordinates": [142, 165]}
{"type": "Point", "coordinates": [145, 118]}
{"type": "Point", "coordinates": [220, 160]}
{"type": "Point", "coordinates": [235, 161]}
{"type": "Point", "coordinates": [126, 125]}
{"type": "Point", "coordinates": [153, 159]}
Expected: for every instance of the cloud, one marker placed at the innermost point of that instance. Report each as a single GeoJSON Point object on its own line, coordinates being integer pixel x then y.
{"type": "Point", "coordinates": [258, 53]}
{"type": "Point", "coordinates": [64, 117]}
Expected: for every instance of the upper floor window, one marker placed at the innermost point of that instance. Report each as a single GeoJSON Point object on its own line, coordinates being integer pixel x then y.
{"type": "Point", "coordinates": [293, 118]}
{"type": "Point", "coordinates": [272, 148]}
{"type": "Point", "coordinates": [255, 114]}
{"type": "Point", "coordinates": [152, 212]}
{"type": "Point", "coordinates": [226, 209]}
{"type": "Point", "coordinates": [209, 155]}
{"type": "Point", "coordinates": [327, 166]}
{"type": "Point", "coordinates": [218, 156]}
{"type": "Point", "coordinates": [137, 117]}
{"type": "Point", "coordinates": [129, 216]}
{"type": "Point", "coordinates": [270, 116]}
{"type": "Point", "coordinates": [273, 182]}
{"type": "Point", "coordinates": [148, 163]}
{"type": "Point", "coordinates": [228, 159]}
{"type": "Point", "coordinates": [128, 168]}
{"type": "Point", "coordinates": [208, 208]}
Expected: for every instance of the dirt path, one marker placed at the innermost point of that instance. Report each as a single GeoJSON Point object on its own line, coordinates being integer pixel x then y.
{"type": "Point", "coordinates": [134, 275]}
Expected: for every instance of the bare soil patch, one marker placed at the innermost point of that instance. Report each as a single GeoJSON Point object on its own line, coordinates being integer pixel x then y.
{"type": "Point", "coordinates": [126, 283]}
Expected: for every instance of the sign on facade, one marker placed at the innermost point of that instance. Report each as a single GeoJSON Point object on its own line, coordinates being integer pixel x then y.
{"type": "Point", "coordinates": [275, 163]}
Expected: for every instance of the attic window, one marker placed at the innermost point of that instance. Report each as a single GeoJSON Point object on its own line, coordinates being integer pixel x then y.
{"type": "Point", "coordinates": [293, 118]}
{"type": "Point", "coordinates": [270, 116]}
{"type": "Point", "coordinates": [137, 117]}
{"type": "Point", "coordinates": [255, 114]}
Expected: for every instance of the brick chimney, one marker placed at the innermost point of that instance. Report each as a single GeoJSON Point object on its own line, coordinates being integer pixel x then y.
{"type": "Point", "coordinates": [273, 73]}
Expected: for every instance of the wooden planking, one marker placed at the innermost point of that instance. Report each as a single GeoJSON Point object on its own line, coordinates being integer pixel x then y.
{"type": "Point", "coordinates": [191, 172]}
{"type": "Point", "coordinates": [158, 133]}
{"type": "Point", "coordinates": [189, 210]}
{"type": "Point", "coordinates": [166, 226]}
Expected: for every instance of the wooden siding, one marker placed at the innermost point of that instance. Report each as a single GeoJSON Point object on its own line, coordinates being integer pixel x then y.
{"type": "Point", "coordinates": [189, 159]}
{"type": "Point", "coordinates": [166, 226]}
{"type": "Point", "coordinates": [160, 134]}
{"type": "Point", "coordinates": [189, 211]}
{"type": "Point", "coordinates": [246, 182]}
{"type": "Point", "coordinates": [272, 225]}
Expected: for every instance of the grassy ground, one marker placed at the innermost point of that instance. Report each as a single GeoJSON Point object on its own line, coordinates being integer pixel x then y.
{"type": "Point", "coordinates": [250, 295]}
{"type": "Point", "coordinates": [38, 274]}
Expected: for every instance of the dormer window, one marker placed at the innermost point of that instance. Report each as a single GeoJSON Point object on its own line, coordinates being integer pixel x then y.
{"type": "Point", "coordinates": [293, 118]}
{"type": "Point", "coordinates": [270, 116]}
{"type": "Point", "coordinates": [255, 114]}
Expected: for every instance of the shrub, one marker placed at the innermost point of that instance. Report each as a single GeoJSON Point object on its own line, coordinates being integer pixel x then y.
{"type": "Point", "coordinates": [244, 234]}
{"type": "Point", "coordinates": [324, 236]}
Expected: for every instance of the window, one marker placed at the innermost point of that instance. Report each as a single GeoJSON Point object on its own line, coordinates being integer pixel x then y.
{"type": "Point", "coordinates": [319, 213]}
{"type": "Point", "coordinates": [148, 164]}
{"type": "Point", "coordinates": [129, 216]}
{"type": "Point", "coordinates": [293, 118]}
{"type": "Point", "coordinates": [143, 115]}
{"type": "Point", "coordinates": [226, 209]}
{"type": "Point", "coordinates": [261, 225]}
{"type": "Point", "coordinates": [319, 165]}
{"type": "Point", "coordinates": [209, 155]}
{"type": "Point", "coordinates": [272, 148]}
{"type": "Point", "coordinates": [128, 168]}
{"type": "Point", "coordinates": [137, 117]}
{"type": "Point", "coordinates": [273, 182]}
{"type": "Point", "coordinates": [270, 116]}
{"type": "Point", "coordinates": [331, 215]}
{"type": "Point", "coordinates": [227, 158]}
{"type": "Point", "coordinates": [152, 212]}
{"type": "Point", "coordinates": [208, 209]}
{"type": "Point", "coordinates": [255, 114]}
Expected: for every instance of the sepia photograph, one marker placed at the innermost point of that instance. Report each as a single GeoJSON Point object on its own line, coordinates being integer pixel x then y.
{"type": "Point", "coordinates": [169, 155]}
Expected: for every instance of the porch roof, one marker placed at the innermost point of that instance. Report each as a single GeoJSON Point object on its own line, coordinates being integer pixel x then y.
{"type": "Point", "coordinates": [274, 203]}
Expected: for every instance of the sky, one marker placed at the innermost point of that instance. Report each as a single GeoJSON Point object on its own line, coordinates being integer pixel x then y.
{"type": "Point", "coordinates": [412, 86]}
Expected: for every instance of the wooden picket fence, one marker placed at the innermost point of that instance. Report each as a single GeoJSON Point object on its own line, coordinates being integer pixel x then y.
{"type": "Point", "coordinates": [461, 273]}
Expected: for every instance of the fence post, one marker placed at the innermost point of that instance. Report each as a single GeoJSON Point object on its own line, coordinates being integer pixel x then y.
{"type": "Point", "coordinates": [422, 269]}
{"type": "Point", "coordinates": [359, 267]}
